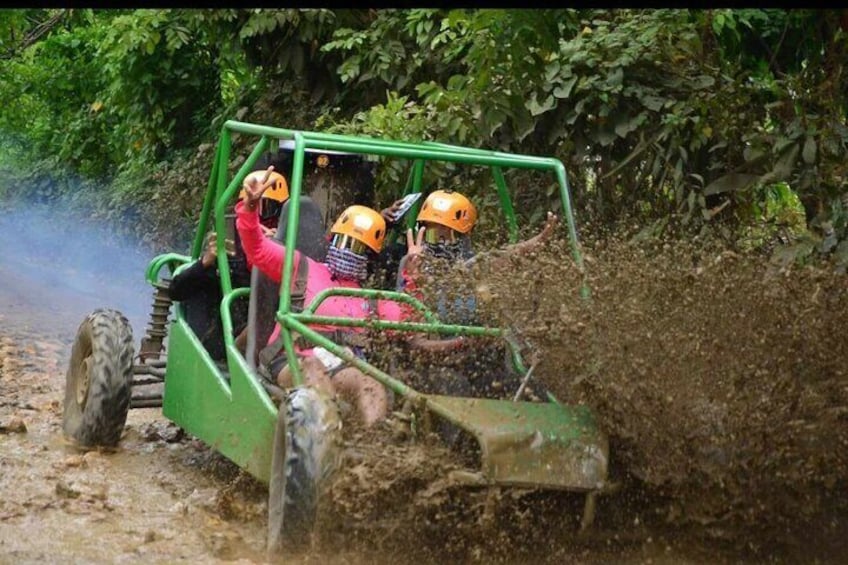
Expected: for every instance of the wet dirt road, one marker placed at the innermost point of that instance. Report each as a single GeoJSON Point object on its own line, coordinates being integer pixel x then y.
{"type": "Point", "coordinates": [164, 498]}
{"type": "Point", "coordinates": [160, 497]}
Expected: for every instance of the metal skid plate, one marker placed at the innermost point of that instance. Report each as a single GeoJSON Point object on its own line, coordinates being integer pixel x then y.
{"type": "Point", "coordinates": [531, 444]}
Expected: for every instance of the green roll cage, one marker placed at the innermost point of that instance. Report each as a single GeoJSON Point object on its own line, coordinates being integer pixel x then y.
{"type": "Point", "coordinates": [221, 193]}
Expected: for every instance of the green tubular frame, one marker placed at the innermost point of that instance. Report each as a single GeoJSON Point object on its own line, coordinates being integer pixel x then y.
{"type": "Point", "coordinates": [236, 414]}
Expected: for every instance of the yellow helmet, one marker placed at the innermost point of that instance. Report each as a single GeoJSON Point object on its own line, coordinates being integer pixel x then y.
{"type": "Point", "coordinates": [450, 209]}
{"type": "Point", "coordinates": [279, 190]}
{"type": "Point", "coordinates": [360, 224]}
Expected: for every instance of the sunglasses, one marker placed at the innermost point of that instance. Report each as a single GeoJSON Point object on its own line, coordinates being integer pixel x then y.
{"type": "Point", "coordinates": [340, 241]}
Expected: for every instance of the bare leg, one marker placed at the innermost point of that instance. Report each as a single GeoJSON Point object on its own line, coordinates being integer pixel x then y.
{"type": "Point", "coordinates": [370, 396]}
{"type": "Point", "coordinates": [314, 374]}
{"type": "Point", "coordinates": [241, 341]}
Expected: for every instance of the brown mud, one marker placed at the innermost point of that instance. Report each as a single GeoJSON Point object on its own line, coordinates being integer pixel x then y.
{"type": "Point", "coordinates": [720, 380]}
{"type": "Point", "coordinates": [163, 497]}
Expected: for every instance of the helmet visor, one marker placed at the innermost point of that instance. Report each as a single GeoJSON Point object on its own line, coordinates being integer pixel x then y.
{"type": "Point", "coordinates": [341, 241]}
{"type": "Point", "coordinates": [437, 233]}
{"type": "Point", "coordinates": [269, 209]}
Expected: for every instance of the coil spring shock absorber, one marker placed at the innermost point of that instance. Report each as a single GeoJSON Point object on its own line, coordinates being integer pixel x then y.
{"type": "Point", "coordinates": [153, 341]}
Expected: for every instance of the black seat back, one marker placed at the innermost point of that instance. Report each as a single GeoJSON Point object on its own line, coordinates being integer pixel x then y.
{"type": "Point", "coordinates": [264, 293]}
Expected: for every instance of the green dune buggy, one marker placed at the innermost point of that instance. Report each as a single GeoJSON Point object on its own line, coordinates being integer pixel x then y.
{"type": "Point", "coordinates": [289, 439]}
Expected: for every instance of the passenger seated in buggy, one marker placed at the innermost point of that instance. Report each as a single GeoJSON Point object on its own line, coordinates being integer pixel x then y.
{"type": "Point", "coordinates": [198, 286]}
{"type": "Point", "coordinates": [440, 252]}
{"type": "Point", "coordinates": [355, 238]}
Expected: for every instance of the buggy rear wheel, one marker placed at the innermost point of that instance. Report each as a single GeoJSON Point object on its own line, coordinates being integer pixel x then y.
{"type": "Point", "coordinates": [98, 381]}
{"type": "Point", "coordinates": [307, 452]}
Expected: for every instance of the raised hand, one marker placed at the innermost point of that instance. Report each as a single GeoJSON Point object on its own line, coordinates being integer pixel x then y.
{"type": "Point", "coordinates": [415, 243]}
{"type": "Point", "coordinates": [210, 253]}
{"type": "Point", "coordinates": [414, 249]}
{"type": "Point", "coordinates": [548, 229]}
{"type": "Point", "coordinates": [254, 189]}
{"type": "Point", "coordinates": [389, 213]}
{"type": "Point", "coordinates": [534, 242]}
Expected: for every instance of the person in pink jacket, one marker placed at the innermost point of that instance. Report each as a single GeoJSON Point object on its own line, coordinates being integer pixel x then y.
{"type": "Point", "coordinates": [357, 235]}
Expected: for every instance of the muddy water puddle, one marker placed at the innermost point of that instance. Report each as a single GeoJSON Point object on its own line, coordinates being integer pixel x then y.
{"type": "Point", "coordinates": [155, 499]}
{"type": "Point", "coordinates": [99, 507]}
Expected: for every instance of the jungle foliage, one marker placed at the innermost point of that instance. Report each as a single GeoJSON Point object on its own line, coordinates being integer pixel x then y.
{"type": "Point", "coordinates": [731, 121]}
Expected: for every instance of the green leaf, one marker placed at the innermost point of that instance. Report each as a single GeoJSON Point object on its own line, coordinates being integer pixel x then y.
{"type": "Point", "coordinates": [809, 151]}
{"type": "Point", "coordinates": [551, 71]}
{"type": "Point", "coordinates": [730, 183]}
{"type": "Point", "coordinates": [564, 89]}
{"type": "Point", "coordinates": [783, 167]}
{"type": "Point", "coordinates": [615, 78]}
{"type": "Point", "coordinates": [457, 82]}
{"type": "Point", "coordinates": [453, 125]}
{"type": "Point", "coordinates": [651, 102]}
{"type": "Point", "coordinates": [624, 125]}
{"type": "Point", "coordinates": [536, 109]}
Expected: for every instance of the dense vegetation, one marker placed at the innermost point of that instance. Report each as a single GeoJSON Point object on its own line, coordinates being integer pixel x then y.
{"type": "Point", "coordinates": [731, 122]}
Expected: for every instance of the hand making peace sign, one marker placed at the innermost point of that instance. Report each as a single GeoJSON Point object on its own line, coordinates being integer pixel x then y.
{"type": "Point", "coordinates": [415, 243]}
{"type": "Point", "coordinates": [254, 189]}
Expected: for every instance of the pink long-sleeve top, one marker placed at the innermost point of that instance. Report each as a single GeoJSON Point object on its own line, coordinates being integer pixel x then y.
{"type": "Point", "coordinates": [268, 255]}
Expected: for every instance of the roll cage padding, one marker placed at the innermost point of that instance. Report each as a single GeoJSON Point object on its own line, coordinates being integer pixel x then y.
{"type": "Point", "coordinates": [264, 293]}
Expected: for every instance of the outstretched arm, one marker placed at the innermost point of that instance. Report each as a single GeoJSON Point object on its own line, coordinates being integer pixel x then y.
{"type": "Point", "coordinates": [522, 247]}
{"type": "Point", "coordinates": [418, 341]}
{"type": "Point", "coordinates": [537, 240]}
{"type": "Point", "coordinates": [261, 251]}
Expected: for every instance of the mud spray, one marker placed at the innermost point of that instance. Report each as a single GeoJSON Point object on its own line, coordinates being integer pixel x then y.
{"type": "Point", "coordinates": [720, 379]}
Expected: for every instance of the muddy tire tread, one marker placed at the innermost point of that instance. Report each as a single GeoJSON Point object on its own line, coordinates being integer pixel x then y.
{"type": "Point", "coordinates": [303, 468]}
{"type": "Point", "coordinates": [101, 421]}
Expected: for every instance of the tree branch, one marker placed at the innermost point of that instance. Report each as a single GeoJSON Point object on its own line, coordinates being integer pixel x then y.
{"type": "Point", "coordinates": [36, 33]}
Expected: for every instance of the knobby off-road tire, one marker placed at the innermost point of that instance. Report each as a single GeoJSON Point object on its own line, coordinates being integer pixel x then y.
{"type": "Point", "coordinates": [307, 452]}
{"type": "Point", "coordinates": [97, 385]}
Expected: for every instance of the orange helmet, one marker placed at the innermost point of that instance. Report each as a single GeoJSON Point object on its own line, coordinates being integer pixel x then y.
{"type": "Point", "coordinates": [362, 224]}
{"type": "Point", "coordinates": [279, 190]}
{"type": "Point", "coordinates": [450, 209]}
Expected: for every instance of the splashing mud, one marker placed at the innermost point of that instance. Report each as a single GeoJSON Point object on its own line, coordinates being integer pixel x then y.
{"type": "Point", "coordinates": [720, 379]}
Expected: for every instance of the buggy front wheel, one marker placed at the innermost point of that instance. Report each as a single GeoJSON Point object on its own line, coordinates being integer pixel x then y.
{"type": "Point", "coordinates": [307, 452]}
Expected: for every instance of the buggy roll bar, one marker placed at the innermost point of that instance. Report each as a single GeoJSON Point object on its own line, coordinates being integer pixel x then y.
{"type": "Point", "coordinates": [220, 193]}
